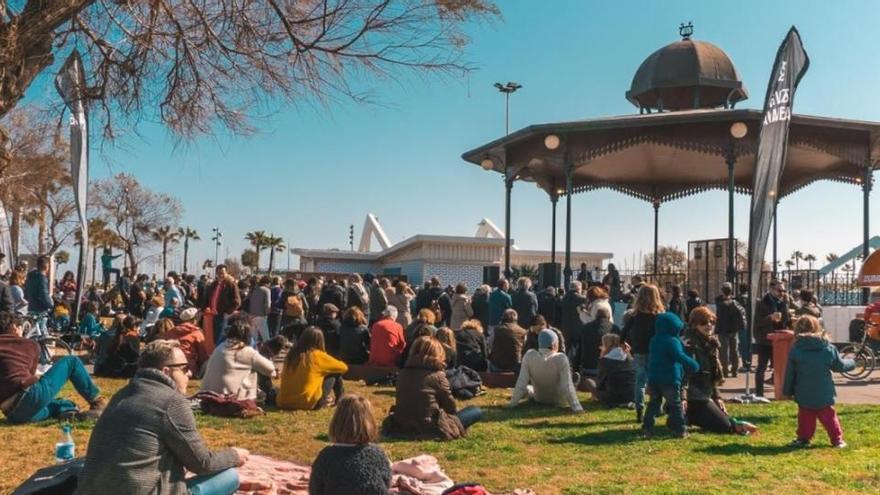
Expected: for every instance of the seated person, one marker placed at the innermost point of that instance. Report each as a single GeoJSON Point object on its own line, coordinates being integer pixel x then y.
{"type": "Point", "coordinates": [353, 464]}
{"type": "Point", "coordinates": [424, 406]}
{"type": "Point", "coordinates": [615, 384]}
{"type": "Point", "coordinates": [540, 323]}
{"type": "Point", "coordinates": [471, 346]}
{"type": "Point", "coordinates": [705, 408]}
{"type": "Point", "coordinates": [447, 339]}
{"type": "Point", "coordinates": [90, 327]}
{"type": "Point", "coordinates": [425, 318]}
{"type": "Point", "coordinates": [587, 354]}
{"type": "Point", "coordinates": [507, 344]}
{"type": "Point", "coordinates": [421, 331]}
{"type": "Point", "coordinates": [147, 438]}
{"type": "Point", "coordinates": [310, 374]}
{"type": "Point", "coordinates": [329, 324]}
{"type": "Point", "coordinates": [192, 340]}
{"type": "Point", "coordinates": [26, 398]}
{"type": "Point", "coordinates": [269, 350]}
{"type": "Point", "coordinates": [119, 356]}
{"type": "Point", "coordinates": [157, 304]}
{"type": "Point", "coordinates": [545, 376]}
{"type": "Point", "coordinates": [354, 337]}
{"type": "Point", "coordinates": [387, 342]}
{"type": "Point", "coordinates": [293, 320]}
{"type": "Point", "coordinates": [233, 367]}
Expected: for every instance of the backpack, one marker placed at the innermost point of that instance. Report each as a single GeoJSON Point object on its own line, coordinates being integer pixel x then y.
{"type": "Point", "coordinates": [58, 479]}
{"type": "Point", "coordinates": [464, 382]}
{"type": "Point", "coordinates": [227, 406]}
{"type": "Point", "coordinates": [466, 489]}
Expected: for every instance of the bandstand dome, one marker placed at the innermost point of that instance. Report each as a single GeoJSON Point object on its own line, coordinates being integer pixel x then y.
{"type": "Point", "coordinates": [686, 74]}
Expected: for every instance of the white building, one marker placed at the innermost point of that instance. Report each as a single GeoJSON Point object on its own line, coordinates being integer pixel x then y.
{"type": "Point", "coordinates": [452, 258]}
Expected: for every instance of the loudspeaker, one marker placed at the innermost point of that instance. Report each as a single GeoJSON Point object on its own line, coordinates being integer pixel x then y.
{"type": "Point", "coordinates": [549, 274]}
{"type": "Point", "coordinates": [491, 274]}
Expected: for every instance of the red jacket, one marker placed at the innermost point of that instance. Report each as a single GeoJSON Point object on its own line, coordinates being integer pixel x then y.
{"type": "Point", "coordinates": [386, 343]}
{"type": "Point", "coordinates": [18, 363]}
{"type": "Point", "coordinates": [192, 343]}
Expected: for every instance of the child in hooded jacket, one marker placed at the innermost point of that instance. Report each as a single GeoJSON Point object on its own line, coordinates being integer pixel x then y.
{"type": "Point", "coordinates": [667, 363]}
{"type": "Point", "coordinates": [808, 379]}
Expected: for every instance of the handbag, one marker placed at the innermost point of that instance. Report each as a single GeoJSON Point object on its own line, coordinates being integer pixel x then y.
{"type": "Point", "coordinates": [59, 479]}
{"type": "Point", "coordinates": [227, 405]}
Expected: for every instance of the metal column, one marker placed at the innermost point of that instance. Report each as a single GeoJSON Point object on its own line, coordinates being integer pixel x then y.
{"type": "Point", "coordinates": [775, 253]}
{"type": "Point", "coordinates": [554, 198]}
{"type": "Point", "coordinates": [508, 188]}
{"type": "Point", "coordinates": [568, 191]}
{"type": "Point", "coordinates": [731, 245]}
{"type": "Point", "coordinates": [867, 181]}
{"type": "Point", "coordinates": [656, 238]}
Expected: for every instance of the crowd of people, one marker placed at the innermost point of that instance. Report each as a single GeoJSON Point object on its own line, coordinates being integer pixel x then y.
{"type": "Point", "coordinates": [673, 348]}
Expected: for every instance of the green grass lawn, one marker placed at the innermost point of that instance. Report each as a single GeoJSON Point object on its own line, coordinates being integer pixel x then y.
{"type": "Point", "coordinates": [548, 450]}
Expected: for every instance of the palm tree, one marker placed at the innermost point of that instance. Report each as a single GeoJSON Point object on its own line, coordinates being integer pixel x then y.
{"type": "Point", "coordinates": [257, 239]}
{"type": "Point", "coordinates": [166, 235]}
{"type": "Point", "coordinates": [275, 245]}
{"type": "Point", "coordinates": [187, 233]}
{"type": "Point", "coordinates": [99, 236]}
{"type": "Point", "coordinates": [797, 256]}
{"type": "Point", "coordinates": [810, 258]}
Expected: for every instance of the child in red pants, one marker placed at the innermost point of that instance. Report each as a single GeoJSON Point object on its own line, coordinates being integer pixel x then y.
{"type": "Point", "coordinates": [808, 379]}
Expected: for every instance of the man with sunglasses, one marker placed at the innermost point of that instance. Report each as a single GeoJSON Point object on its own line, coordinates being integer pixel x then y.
{"type": "Point", "coordinates": [147, 437]}
{"type": "Point", "coordinates": [26, 397]}
{"type": "Point", "coordinates": [771, 314]}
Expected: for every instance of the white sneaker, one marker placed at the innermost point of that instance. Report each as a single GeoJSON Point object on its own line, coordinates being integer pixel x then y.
{"type": "Point", "coordinates": [42, 368]}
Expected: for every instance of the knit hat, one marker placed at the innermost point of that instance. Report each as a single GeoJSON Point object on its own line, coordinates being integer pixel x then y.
{"type": "Point", "coordinates": [547, 338]}
{"type": "Point", "coordinates": [727, 285]}
{"type": "Point", "coordinates": [668, 324]}
{"type": "Point", "coordinates": [188, 314]}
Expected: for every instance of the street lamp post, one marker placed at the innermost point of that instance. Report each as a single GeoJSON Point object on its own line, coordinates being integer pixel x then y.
{"type": "Point", "coordinates": [217, 236]}
{"type": "Point", "coordinates": [507, 89]}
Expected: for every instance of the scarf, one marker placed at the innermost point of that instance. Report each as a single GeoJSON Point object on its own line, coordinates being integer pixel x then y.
{"type": "Point", "coordinates": [711, 347]}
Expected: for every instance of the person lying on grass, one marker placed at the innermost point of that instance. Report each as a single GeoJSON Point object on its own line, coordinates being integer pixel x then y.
{"type": "Point", "coordinates": [147, 437]}
{"type": "Point", "coordinates": [353, 464]}
{"type": "Point", "coordinates": [545, 376]}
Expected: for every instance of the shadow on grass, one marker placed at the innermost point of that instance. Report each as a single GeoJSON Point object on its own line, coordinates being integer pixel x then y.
{"type": "Point", "coordinates": [525, 411]}
{"type": "Point", "coordinates": [605, 437]}
{"type": "Point", "coordinates": [745, 448]}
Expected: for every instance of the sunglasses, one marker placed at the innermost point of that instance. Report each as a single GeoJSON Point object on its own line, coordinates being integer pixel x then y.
{"type": "Point", "coordinates": [178, 365]}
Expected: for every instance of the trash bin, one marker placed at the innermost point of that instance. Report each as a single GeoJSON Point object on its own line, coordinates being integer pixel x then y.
{"type": "Point", "coordinates": [782, 341]}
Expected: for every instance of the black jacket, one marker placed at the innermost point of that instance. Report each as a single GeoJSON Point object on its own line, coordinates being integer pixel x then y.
{"type": "Point", "coordinates": [480, 305]}
{"type": "Point", "coordinates": [471, 347]}
{"type": "Point", "coordinates": [445, 303]}
{"type": "Point", "coordinates": [548, 307]}
{"type": "Point", "coordinates": [7, 303]}
{"type": "Point", "coordinates": [763, 325]}
{"type": "Point", "coordinates": [333, 294]}
{"type": "Point", "coordinates": [330, 327]}
{"type": "Point", "coordinates": [638, 332]}
{"type": "Point", "coordinates": [354, 344]}
{"type": "Point", "coordinates": [731, 316]}
{"type": "Point", "coordinates": [587, 356]}
{"type": "Point", "coordinates": [525, 302]}
{"type": "Point", "coordinates": [571, 319]}
{"type": "Point", "coordinates": [616, 381]}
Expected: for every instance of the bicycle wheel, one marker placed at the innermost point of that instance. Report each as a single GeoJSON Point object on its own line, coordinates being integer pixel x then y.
{"type": "Point", "coordinates": [864, 359]}
{"type": "Point", "coordinates": [55, 347]}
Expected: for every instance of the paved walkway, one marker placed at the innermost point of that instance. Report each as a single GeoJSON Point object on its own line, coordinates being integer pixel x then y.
{"type": "Point", "coordinates": [848, 392]}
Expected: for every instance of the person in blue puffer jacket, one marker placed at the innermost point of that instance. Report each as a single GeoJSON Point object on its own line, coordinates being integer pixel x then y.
{"type": "Point", "coordinates": [808, 378]}
{"type": "Point", "coordinates": [667, 363]}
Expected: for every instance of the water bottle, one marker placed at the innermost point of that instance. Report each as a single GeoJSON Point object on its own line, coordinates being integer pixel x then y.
{"type": "Point", "coordinates": [65, 450]}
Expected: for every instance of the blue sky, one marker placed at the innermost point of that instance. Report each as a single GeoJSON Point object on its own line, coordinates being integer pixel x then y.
{"type": "Point", "coordinates": [312, 170]}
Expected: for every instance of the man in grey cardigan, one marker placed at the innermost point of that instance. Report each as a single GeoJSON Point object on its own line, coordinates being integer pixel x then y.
{"type": "Point", "coordinates": [147, 435]}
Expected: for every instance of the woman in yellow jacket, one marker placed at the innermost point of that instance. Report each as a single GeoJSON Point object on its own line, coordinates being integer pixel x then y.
{"type": "Point", "coordinates": [310, 374]}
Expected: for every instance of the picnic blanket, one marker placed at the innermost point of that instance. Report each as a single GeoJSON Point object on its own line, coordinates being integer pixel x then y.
{"type": "Point", "coordinates": [420, 475]}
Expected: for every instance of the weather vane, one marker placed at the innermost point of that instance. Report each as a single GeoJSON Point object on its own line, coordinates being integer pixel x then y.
{"type": "Point", "coordinates": [686, 30]}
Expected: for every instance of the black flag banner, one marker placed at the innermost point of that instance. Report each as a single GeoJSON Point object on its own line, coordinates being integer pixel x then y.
{"type": "Point", "coordinates": [790, 66]}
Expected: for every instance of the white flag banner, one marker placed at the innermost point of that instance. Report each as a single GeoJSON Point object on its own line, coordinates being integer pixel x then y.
{"type": "Point", "coordinates": [5, 240]}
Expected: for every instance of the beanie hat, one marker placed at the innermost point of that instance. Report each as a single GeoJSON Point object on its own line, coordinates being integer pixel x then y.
{"type": "Point", "coordinates": [668, 324]}
{"type": "Point", "coordinates": [547, 338]}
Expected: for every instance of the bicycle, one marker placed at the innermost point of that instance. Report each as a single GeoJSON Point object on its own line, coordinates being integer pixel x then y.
{"type": "Point", "coordinates": [864, 356]}
{"type": "Point", "coordinates": [50, 345]}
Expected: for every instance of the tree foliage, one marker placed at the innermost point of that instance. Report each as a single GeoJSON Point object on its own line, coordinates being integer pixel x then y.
{"type": "Point", "coordinates": [669, 259]}
{"type": "Point", "coordinates": [249, 258]}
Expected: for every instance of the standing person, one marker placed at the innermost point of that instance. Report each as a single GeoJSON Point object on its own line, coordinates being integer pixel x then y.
{"type": "Point", "coordinates": [545, 376]}
{"type": "Point", "coordinates": [7, 300]}
{"type": "Point", "coordinates": [584, 276]}
{"type": "Point", "coordinates": [480, 304]}
{"type": "Point", "coordinates": [19, 303]}
{"type": "Point", "coordinates": [221, 300]}
{"type": "Point", "coordinates": [25, 397]}
{"type": "Point", "coordinates": [401, 301]}
{"type": "Point", "coordinates": [354, 337]}
{"type": "Point", "coordinates": [666, 367]}
{"type": "Point", "coordinates": [310, 375]}
{"type": "Point", "coordinates": [705, 408]}
{"type": "Point", "coordinates": [731, 320]}
{"type": "Point", "coordinates": [499, 301]}
{"type": "Point", "coordinates": [446, 337]}
{"type": "Point", "coordinates": [259, 302]}
{"type": "Point", "coordinates": [387, 341]}
{"type": "Point", "coordinates": [107, 269]}
{"type": "Point", "coordinates": [353, 464]}
{"type": "Point", "coordinates": [507, 344]}
{"type": "Point", "coordinates": [548, 305]}
{"type": "Point", "coordinates": [461, 307]}
{"type": "Point", "coordinates": [539, 323]}
{"type": "Point", "coordinates": [589, 349]}
{"type": "Point", "coordinates": [638, 332]}
{"type": "Point", "coordinates": [676, 303]}
{"type": "Point", "coordinates": [808, 379]}
{"type": "Point", "coordinates": [471, 346]}
{"type": "Point", "coordinates": [524, 301]}
{"type": "Point", "coordinates": [148, 438]}
{"type": "Point", "coordinates": [36, 291]}
{"type": "Point", "coordinates": [276, 306]}
{"type": "Point", "coordinates": [233, 368]}
{"type": "Point", "coordinates": [378, 299]}
{"type": "Point", "coordinates": [173, 297]}
{"type": "Point", "coordinates": [67, 285]}
{"type": "Point", "coordinates": [444, 302]}
{"type": "Point", "coordinates": [358, 295]}
{"type": "Point", "coordinates": [571, 312]}
{"type": "Point", "coordinates": [613, 386]}
{"type": "Point", "coordinates": [612, 281]}
{"type": "Point", "coordinates": [692, 302]}
{"type": "Point", "coordinates": [137, 297]}
{"type": "Point", "coordinates": [807, 305]}
{"type": "Point", "coordinates": [424, 406]}
{"type": "Point", "coordinates": [124, 286]}
{"type": "Point", "coordinates": [771, 314]}
{"type": "Point", "coordinates": [334, 293]}
{"type": "Point", "coordinates": [745, 340]}
{"type": "Point", "coordinates": [597, 299]}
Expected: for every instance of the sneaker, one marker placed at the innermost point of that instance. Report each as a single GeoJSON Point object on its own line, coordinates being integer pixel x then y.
{"type": "Point", "coordinates": [799, 443]}
{"type": "Point", "coordinates": [576, 378]}
{"type": "Point", "coordinates": [733, 374]}
{"type": "Point", "coordinates": [91, 414]}
{"type": "Point", "coordinates": [681, 435]}
{"type": "Point", "coordinates": [98, 404]}
{"type": "Point", "coordinates": [726, 374]}
{"type": "Point", "coordinates": [647, 434]}
{"type": "Point", "coordinates": [840, 445]}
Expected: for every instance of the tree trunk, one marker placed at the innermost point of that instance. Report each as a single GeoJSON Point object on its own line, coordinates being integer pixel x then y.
{"type": "Point", "coordinates": [132, 262]}
{"type": "Point", "coordinates": [164, 257]}
{"type": "Point", "coordinates": [257, 263]}
{"type": "Point", "coordinates": [271, 261]}
{"type": "Point", "coordinates": [15, 234]}
{"type": "Point", "coordinates": [94, 263]}
{"type": "Point", "coordinates": [185, 252]}
{"type": "Point", "coordinates": [41, 232]}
